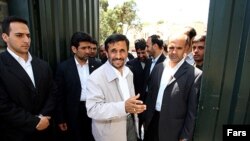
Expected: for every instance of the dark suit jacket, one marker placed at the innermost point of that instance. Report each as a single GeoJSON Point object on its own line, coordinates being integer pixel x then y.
{"type": "Point", "coordinates": [147, 73]}
{"type": "Point", "coordinates": [138, 73]}
{"type": "Point", "coordinates": [179, 104]}
{"type": "Point", "coordinates": [69, 90]}
{"type": "Point", "coordinates": [20, 101]}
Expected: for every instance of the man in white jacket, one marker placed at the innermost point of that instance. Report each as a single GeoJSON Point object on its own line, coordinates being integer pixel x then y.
{"type": "Point", "coordinates": [111, 100]}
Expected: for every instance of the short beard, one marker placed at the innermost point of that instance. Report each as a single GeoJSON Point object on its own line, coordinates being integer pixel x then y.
{"type": "Point", "coordinates": [83, 58]}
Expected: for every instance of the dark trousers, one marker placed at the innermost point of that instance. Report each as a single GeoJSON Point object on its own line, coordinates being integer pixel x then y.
{"type": "Point", "coordinates": [79, 127]}
{"type": "Point", "coordinates": [83, 130]}
{"type": "Point", "coordinates": [152, 133]}
{"type": "Point", "coordinates": [131, 130]}
{"type": "Point", "coordinates": [19, 135]}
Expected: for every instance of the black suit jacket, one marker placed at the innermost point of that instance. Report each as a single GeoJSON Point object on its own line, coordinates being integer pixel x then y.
{"type": "Point", "coordinates": [179, 104]}
{"type": "Point", "coordinates": [147, 73]}
{"type": "Point", "coordinates": [138, 73]}
{"type": "Point", "coordinates": [69, 90]}
{"type": "Point", "coordinates": [20, 101]}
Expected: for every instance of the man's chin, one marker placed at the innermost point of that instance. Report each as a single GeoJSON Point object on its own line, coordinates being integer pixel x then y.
{"type": "Point", "coordinates": [142, 60]}
{"type": "Point", "coordinates": [84, 58]}
{"type": "Point", "coordinates": [118, 66]}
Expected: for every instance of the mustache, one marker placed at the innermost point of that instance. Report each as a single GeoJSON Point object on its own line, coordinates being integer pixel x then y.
{"type": "Point", "coordinates": [115, 59]}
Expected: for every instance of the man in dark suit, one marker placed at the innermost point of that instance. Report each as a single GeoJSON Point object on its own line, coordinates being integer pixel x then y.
{"type": "Point", "coordinates": [71, 77]}
{"type": "Point", "coordinates": [137, 66]}
{"type": "Point", "coordinates": [154, 46]}
{"type": "Point", "coordinates": [93, 50]}
{"type": "Point", "coordinates": [155, 51]}
{"type": "Point", "coordinates": [173, 96]}
{"type": "Point", "coordinates": [102, 54]}
{"type": "Point", "coordinates": [27, 90]}
{"type": "Point", "coordinates": [198, 50]}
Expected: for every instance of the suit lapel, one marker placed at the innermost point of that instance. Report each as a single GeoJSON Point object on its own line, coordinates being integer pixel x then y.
{"type": "Point", "coordinates": [92, 65]}
{"type": "Point", "coordinates": [138, 64]}
{"type": "Point", "coordinates": [74, 71]}
{"type": "Point", "coordinates": [36, 71]}
{"type": "Point", "coordinates": [161, 59]}
{"type": "Point", "coordinates": [159, 74]}
{"type": "Point", "coordinates": [179, 73]}
{"type": "Point", "coordinates": [16, 69]}
{"type": "Point", "coordinates": [147, 67]}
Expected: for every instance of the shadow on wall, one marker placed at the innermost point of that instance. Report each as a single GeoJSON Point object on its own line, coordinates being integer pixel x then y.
{"type": "Point", "coordinates": [3, 14]}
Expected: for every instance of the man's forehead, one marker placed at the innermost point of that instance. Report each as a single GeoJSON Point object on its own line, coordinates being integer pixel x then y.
{"type": "Point", "coordinates": [141, 50]}
{"type": "Point", "coordinates": [84, 42]}
{"type": "Point", "coordinates": [178, 37]}
{"type": "Point", "coordinates": [177, 42]}
{"type": "Point", "coordinates": [20, 28]}
{"type": "Point", "coordinates": [200, 43]}
{"type": "Point", "coordinates": [118, 43]}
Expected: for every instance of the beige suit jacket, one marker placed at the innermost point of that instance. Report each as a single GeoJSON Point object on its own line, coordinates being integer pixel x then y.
{"type": "Point", "coordinates": [105, 104]}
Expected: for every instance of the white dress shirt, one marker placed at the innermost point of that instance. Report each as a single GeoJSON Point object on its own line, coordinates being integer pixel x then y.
{"type": "Point", "coordinates": [26, 65]}
{"type": "Point", "coordinates": [143, 65]}
{"type": "Point", "coordinates": [123, 83]}
{"type": "Point", "coordinates": [83, 72]}
{"type": "Point", "coordinates": [167, 76]}
{"type": "Point", "coordinates": [154, 60]}
{"type": "Point", "coordinates": [190, 58]}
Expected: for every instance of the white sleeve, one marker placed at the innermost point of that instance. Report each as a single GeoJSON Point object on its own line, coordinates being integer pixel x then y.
{"type": "Point", "coordinates": [98, 108]}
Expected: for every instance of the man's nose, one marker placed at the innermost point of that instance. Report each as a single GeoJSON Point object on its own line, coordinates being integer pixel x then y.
{"type": "Point", "coordinates": [26, 39]}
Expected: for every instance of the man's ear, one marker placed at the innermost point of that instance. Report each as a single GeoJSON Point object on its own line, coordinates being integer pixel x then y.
{"type": "Point", "coordinates": [5, 37]}
{"type": "Point", "coordinates": [74, 49]}
{"type": "Point", "coordinates": [106, 53]}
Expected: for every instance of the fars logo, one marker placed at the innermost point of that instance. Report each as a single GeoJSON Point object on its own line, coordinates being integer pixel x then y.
{"type": "Point", "coordinates": [236, 132]}
{"type": "Point", "coordinates": [231, 132]}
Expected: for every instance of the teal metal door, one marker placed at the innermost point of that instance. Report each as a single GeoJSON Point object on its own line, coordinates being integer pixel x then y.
{"type": "Point", "coordinates": [225, 92]}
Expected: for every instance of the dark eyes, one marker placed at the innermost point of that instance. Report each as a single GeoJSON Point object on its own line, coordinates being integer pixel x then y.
{"type": "Point", "coordinates": [199, 47]}
{"type": "Point", "coordinates": [23, 35]}
{"type": "Point", "coordinates": [116, 51]}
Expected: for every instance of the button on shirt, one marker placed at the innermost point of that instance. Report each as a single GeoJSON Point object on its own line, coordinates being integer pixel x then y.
{"type": "Point", "coordinates": [167, 76]}
{"type": "Point", "coordinates": [26, 65]}
{"type": "Point", "coordinates": [83, 72]}
{"type": "Point", "coordinates": [123, 83]}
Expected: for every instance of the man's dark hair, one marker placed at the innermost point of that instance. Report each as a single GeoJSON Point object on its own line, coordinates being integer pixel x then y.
{"type": "Point", "coordinates": [140, 44]}
{"type": "Point", "coordinates": [191, 32]}
{"type": "Point", "coordinates": [165, 45]}
{"type": "Point", "coordinates": [199, 38]}
{"type": "Point", "coordinates": [115, 38]}
{"type": "Point", "coordinates": [94, 41]}
{"type": "Point", "coordinates": [78, 37]}
{"type": "Point", "coordinates": [10, 19]}
{"type": "Point", "coordinates": [155, 39]}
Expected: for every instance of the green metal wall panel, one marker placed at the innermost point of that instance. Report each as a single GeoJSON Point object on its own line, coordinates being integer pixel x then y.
{"type": "Point", "coordinates": [52, 22]}
{"type": "Point", "coordinates": [225, 91]}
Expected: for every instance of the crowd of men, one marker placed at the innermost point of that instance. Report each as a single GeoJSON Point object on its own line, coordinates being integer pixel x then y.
{"type": "Point", "coordinates": [101, 93]}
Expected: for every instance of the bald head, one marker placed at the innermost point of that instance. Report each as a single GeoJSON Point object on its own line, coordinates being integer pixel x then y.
{"type": "Point", "coordinates": [178, 44]}
{"type": "Point", "coordinates": [179, 36]}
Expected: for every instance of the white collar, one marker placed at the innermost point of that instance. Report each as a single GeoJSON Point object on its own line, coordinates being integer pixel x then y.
{"type": "Point", "coordinates": [18, 58]}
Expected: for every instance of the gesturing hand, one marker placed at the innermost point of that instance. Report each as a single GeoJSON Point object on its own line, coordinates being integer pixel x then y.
{"type": "Point", "coordinates": [132, 105]}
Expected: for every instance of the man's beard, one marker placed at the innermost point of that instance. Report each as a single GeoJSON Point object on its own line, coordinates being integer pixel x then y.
{"type": "Point", "coordinates": [83, 58]}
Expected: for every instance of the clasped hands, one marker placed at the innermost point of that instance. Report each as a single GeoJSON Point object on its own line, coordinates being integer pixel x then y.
{"type": "Point", "coordinates": [43, 123]}
{"type": "Point", "coordinates": [132, 105]}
